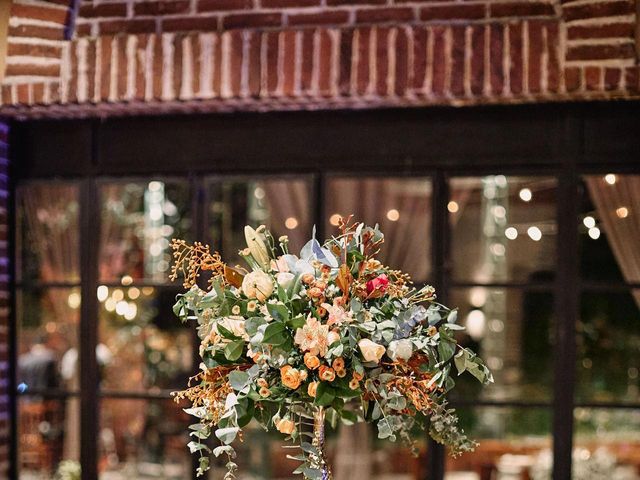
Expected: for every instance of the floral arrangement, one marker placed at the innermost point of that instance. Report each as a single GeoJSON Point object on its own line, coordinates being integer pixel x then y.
{"type": "Point", "coordinates": [329, 335]}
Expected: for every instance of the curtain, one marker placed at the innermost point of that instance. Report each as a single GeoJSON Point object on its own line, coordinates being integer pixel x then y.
{"type": "Point", "coordinates": [618, 208]}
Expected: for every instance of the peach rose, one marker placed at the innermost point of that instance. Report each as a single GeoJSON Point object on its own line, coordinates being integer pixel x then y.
{"type": "Point", "coordinates": [312, 389]}
{"type": "Point", "coordinates": [327, 373]}
{"type": "Point", "coordinates": [358, 376]}
{"type": "Point", "coordinates": [264, 392]}
{"type": "Point", "coordinates": [338, 364]}
{"type": "Point", "coordinates": [371, 351]}
{"type": "Point", "coordinates": [354, 384]}
{"type": "Point", "coordinates": [311, 361]}
{"type": "Point", "coordinates": [290, 377]}
{"type": "Point", "coordinates": [262, 382]}
{"type": "Point", "coordinates": [286, 426]}
{"type": "Point", "coordinates": [341, 373]}
{"type": "Point", "coordinates": [258, 285]}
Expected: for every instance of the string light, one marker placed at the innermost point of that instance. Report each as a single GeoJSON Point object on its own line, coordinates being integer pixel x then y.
{"type": "Point", "coordinates": [102, 293]}
{"type": "Point", "coordinates": [534, 233]}
{"type": "Point", "coordinates": [122, 307]}
{"type": "Point", "coordinates": [133, 293]}
{"type": "Point", "coordinates": [258, 193]}
{"type": "Point", "coordinates": [393, 215]}
{"type": "Point", "coordinates": [511, 233]}
{"type": "Point", "coordinates": [453, 207]}
{"type": "Point", "coordinates": [610, 178]}
{"type": "Point", "coordinates": [499, 211]}
{"type": "Point", "coordinates": [335, 219]}
{"type": "Point", "coordinates": [622, 212]}
{"type": "Point", "coordinates": [589, 222]}
{"type": "Point", "coordinates": [74, 300]}
{"type": "Point", "coordinates": [594, 233]}
{"type": "Point", "coordinates": [291, 223]}
{"type": "Point", "coordinates": [117, 295]}
{"type": "Point", "coordinates": [525, 195]}
{"type": "Point", "coordinates": [476, 322]}
{"type": "Point", "coordinates": [126, 280]}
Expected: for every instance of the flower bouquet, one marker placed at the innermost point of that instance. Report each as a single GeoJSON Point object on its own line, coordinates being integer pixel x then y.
{"type": "Point", "coordinates": [330, 335]}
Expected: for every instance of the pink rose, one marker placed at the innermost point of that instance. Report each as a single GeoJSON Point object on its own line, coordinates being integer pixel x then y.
{"type": "Point", "coordinates": [381, 282]}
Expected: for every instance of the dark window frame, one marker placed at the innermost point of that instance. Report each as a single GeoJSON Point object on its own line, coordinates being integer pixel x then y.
{"type": "Point", "coordinates": [548, 140]}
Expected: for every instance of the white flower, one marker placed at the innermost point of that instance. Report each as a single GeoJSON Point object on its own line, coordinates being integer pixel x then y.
{"type": "Point", "coordinates": [257, 246]}
{"type": "Point", "coordinates": [257, 284]}
{"type": "Point", "coordinates": [332, 337]}
{"type": "Point", "coordinates": [235, 325]}
{"type": "Point", "coordinates": [400, 350]}
{"type": "Point", "coordinates": [371, 351]}
{"type": "Point", "coordinates": [285, 279]}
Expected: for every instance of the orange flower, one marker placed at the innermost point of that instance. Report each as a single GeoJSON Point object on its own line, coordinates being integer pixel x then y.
{"type": "Point", "coordinates": [341, 373]}
{"type": "Point", "coordinates": [290, 377]}
{"type": "Point", "coordinates": [303, 375]}
{"type": "Point", "coordinates": [312, 389]}
{"type": "Point", "coordinates": [265, 392]}
{"type": "Point", "coordinates": [354, 384]}
{"type": "Point", "coordinates": [308, 278]}
{"type": "Point", "coordinates": [327, 373]}
{"type": "Point", "coordinates": [262, 383]}
{"type": "Point", "coordinates": [338, 364]}
{"type": "Point", "coordinates": [286, 426]}
{"type": "Point", "coordinates": [312, 337]}
{"type": "Point", "coordinates": [311, 361]}
{"type": "Point", "coordinates": [314, 292]}
{"type": "Point", "coordinates": [357, 376]}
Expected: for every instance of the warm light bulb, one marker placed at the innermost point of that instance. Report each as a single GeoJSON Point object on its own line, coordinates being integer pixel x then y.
{"type": "Point", "coordinates": [126, 280]}
{"type": "Point", "coordinates": [534, 233]}
{"type": "Point", "coordinates": [73, 300]}
{"type": "Point", "coordinates": [453, 207]}
{"type": "Point", "coordinates": [476, 322]}
{"type": "Point", "coordinates": [622, 212]}
{"type": "Point", "coordinates": [335, 219]}
{"type": "Point", "coordinates": [610, 178]}
{"type": "Point", "coordinates": [525, 195]}
{"type": "Point", "coordinates": [103, 293]}
{"type": "Point", "coordinates": [589, 222]}
{"type": "Point", "coordinates": [393, 215]}
{"type": "Point", "coordinates": [594, 233]}
{"type": "Point", "coordinates": [511, 233]}
{"type": "Point", "coordinates": [291, 223]}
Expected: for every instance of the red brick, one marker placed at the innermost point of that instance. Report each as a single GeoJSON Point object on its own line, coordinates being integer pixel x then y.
{"type": "Point", "coordinates": [83, 30]}
{"type": "Point", "coordinates": [458, 51]}
{"type": "Point", "coordinates": [346, 51]}
{"type": "Point", "coordinates": [553, 56]}
{"type": "Point", "coordinates": [141, 74]}
{"type": "Point", "coordinates": [362, 83]}
{"type": "Point", "coordinates": [23, 93]}
{"type": "Point", "coordinates": [306, 69]}
{"type": "Point", "coordinates": [612, 77]}
{"type": "Point", "coordinates": [223, 5]}
{"type": "Point", "coordinates": [194, 41]}
{"type": "Point", "coordinates": [378, 15]}
{"type": "Point", "coordinates": [477, 58]}
{"type": "Point", "coordinates": [356, 2]}
{"type": "Point", "coordinates": [254, 63]}
{"type": "Point", "coordinates": [520, 9]}
{"type": "Point", "coordinates": [335, 17]}
{"type": "Point", "coordinates": [127, 26]}
{"type": "Point", "coordinates": [184, 24]}
{"type": "Point", "coordinates": [47, 33]}
{"type": "Point", "coordinates": [632, 79]}
{"type": "Point", "coordinates": [217, 65]}
{"type": "Point", "coordinates": [535, 57]}
{"type": "Point", "coordinates": [38, 98]}
{"type": "Point", "coordinates": [161, 7]}
{"type": "Point", "coordinates": [7, 97]}
{"type": "Point", "coordinates": [14, 70]}
{"type": "Point", "coordinates": [270, 69]}
{"type": "Point", "coordinates": [105, 67]}
{"type": "Point", "coordinates": [608, 30]}
{"type": "Point", "coordinates": [177, 63]}
{"type": "Point", "coordinates": [598, 10]}
{"type": "Point", "coordinates": [249, 20]}
{"type": "Point", "coordinates": [158, 66]}
{"type": "Point", "coordinates": [89, 10]}
{"type": "Point", "coordinates": [452, 12]}
{"type": "Point", "coordinates": [27, 49]}
{"type": "Point", "coordinates": [325, 65]}
{"type": "Point", "coordinates": [402, 62]}
{"type": "Point", "coordinates": [600, 52]}
{"type": "Point", "coordinates": [592, 77]}
{"type": "Point", "coordinates": [289, 3]}
{"type": "Point", "coordinates": [235, 54]}
{"type": "Point", "coordinates": [91, 69]}
{"type": "Point", "coordinates": [288, 41]}
{"type": "Point", "coordinates": [39, 12]}
{"type": "Point", "coordinates": [572, 78]}
{"type": "Point", "coordinates": [496, 52]}
{"type": "Point", "coordinates": [515, 58]}
{"type": "Point", "coordinates": [73, 81]}
{"type": "Point", "coordinates": [439, 60]}
{"type": "Point", "coordinates": [382, 60]}
{"type": "Point", "coordinates": [419, 57]}
{"type": "Point", "coordinates": [121, 52]}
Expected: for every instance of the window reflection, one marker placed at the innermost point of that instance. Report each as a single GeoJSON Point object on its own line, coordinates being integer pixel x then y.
{"type": "Point", "coordinates": [503, 228]}
{"type": "Point", "coordinates": [607, 443]}
{"type": "Point", "coordinates": [138, 222]}
{"type": "Point", "coordinates": [401, 206]}
{"type": "Point", "coordinates": [511, 329]}
{"type": "Point", "coordinates": [608, 347]}
{"type": "Point", "coordinates": [515, 443]}
{"type": "Point", "coordinates": [142, 345]}
{"type": "Point", "coordinates": [48, 436]}
{"type": "Point", "coordinates": [47, 235]}
{"type": "Point", "coordinates": [143, 439]}
{"type": "Point", "coordinates": [283, 205]}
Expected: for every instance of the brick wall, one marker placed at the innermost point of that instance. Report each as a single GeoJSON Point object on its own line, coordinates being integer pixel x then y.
{"type": "Point", "coordinates": [141, 55]}
{"type": "Point", "coordinates": [4, 305]}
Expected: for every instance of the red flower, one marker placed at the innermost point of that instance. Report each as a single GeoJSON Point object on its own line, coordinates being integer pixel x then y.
{"type": "Point", "coordinates": [381, 282]}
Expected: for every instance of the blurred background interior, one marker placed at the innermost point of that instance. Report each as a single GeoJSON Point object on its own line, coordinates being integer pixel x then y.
{"type": "Point", "coordinates": [500, 268]}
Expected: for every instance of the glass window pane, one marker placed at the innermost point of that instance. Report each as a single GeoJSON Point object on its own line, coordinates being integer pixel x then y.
{"type": "Point", "coordinates": [606, 443]}
{"type": "Point", "coordinates": [48, 436]}
{"type": "Point", "coordinates": [139, 219]}
{"type": "Point", "coordinates": [503, 228]}
{"type": "Point", "coordinates": [48, 323]}
{"type": "Point", "coordinates": [609, 226]}
{"type": "Point", "coordinates": [283, 205]}
{"type": "Point", "coordinates": [511, 329]}
{"type": "Point", "coordinates": [143, 346]}
{"type": "Point", "coordinates": [402, 208]}
{"type": "Point", "coordinates": [47, 233]}
{"type": "Point", "coordinates": [515, 443]}
{"type": "Point", "coordinates": [143, 439]}
{"type": "Point", "coordinates": [608, 347]}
